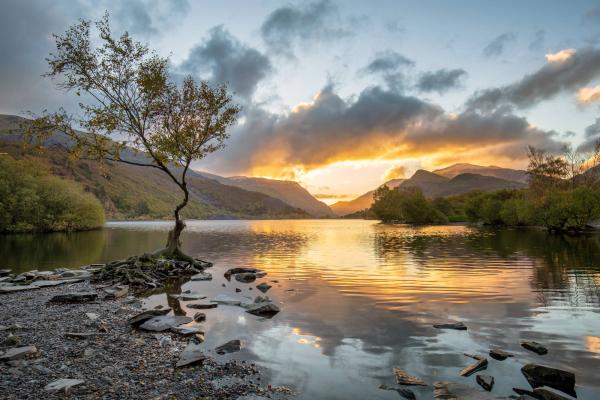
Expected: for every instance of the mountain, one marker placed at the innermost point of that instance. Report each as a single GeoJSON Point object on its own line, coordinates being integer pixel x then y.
{"type": "Point", "coordinates": [288, 191]}
{"type": "Point", "coordinates": [465, 183]}
{"type": "Point", "coordinates": [428, 182]}
{"type": "Point", "coordinates": [508, 174]}
{"type": "Point", "coordinates": [362, 202]}
{"type": "Point", "coordinates": [128, 191]}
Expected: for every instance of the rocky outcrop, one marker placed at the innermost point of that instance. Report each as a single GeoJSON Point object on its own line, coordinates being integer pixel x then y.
{"type": "Point", "coordinates": [539, 375]}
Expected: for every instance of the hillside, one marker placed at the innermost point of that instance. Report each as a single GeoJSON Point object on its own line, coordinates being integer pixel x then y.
{"type": "Point", "coordinates": [508, 174]}
{"type": "Point", "coordinates": [128, 191]}
{"type": "Point", "coordinates": [428, 182]}
{"type": "Point", "coordinates": [360, 203]}
{"type": "Point", "coordinates": [288, 191]}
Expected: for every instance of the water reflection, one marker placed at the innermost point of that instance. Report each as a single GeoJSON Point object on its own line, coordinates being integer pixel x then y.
{"type": "Point", "coordinates": [359, 298]}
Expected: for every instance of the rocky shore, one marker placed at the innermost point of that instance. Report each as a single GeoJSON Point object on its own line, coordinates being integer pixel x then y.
{"type": "Point", "coordinates": [64, 335]}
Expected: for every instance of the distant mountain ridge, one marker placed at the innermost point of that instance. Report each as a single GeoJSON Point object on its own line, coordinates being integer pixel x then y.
{"type": "Point", "coordinates": [450, 181]}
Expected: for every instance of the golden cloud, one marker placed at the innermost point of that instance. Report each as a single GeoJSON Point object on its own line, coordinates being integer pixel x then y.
{"type": "Point", "coordinates": [395, 172]}
{"type": "Point", "coordinates": [561, 56]}
{"type": "Point", "coordinates": [588, 95]}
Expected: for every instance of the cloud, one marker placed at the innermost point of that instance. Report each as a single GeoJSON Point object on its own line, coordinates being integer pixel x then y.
{"type": "Point", "coordinates": [288, 26]}
{"type": "Point", "coordinates": [560, 56]}
{"type": "Point", "coordinates": [441, 80]}
{"type": "Point", "coordinates": [587, 95]}
{"type": "Point", "coordinates": [497, 46]}
{"type": "Point", "coordinates": [592, 137]}
{"type": "Point", "coordinates": [553, 78]}
{"type": "Point", "coordinates": [389, 65]}
{"type": "Point", "coordinates": [378, 123]}
{"type": "Point", "coordinates": [592, 15]}
{"type": "Point", "coordinates": [226, 59]}
{"type": "Point", "coordinates": [538, 40]}
{"type": "Point", "coordinates": [395, 172]}
{"type": "Point", "coordinates": [149, 17]}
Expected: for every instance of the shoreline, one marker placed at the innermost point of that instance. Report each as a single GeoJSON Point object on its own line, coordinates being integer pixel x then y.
{"type": "Point", "coordinates": [93, 342]}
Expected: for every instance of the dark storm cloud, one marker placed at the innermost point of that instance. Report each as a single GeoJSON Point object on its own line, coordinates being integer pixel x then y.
{"type": "Point", "coordinates": [227, 60]}
{"type": "Point", "coordinates": [498, 45]}
{"type": "Point", "coordinates": [538, 40]}
{"type": "Point", "coordinates": [441, 80]}
{"type": "Point", "coordinates": [592, 137]}
{"type": "Point", "coordinates": [287, 26]}
{"type": "Point", "coordinates": [378, 123]}
{"type": "Point", "coordinates": [545, 83]}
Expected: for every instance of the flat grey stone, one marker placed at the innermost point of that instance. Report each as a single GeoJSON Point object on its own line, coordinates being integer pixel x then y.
{"type": "Point", "coordinates": [16, 288]}
{"type": "Point", "coordinates": [18, 353]}
{"type": "Point", "coordinates": [187, 330]}
{"type": "Point", "coordinates": [202, 276]}
{"type": "Point", "coordinates": [62, 385]}
{"type": "Point", "coordinates": [267, 310]}
{"type": "Point", "coordinates": [74, 297]}
{"type": "Point", "coordinates": [499, 355]}
{"type": "Point", "coordinates": [139, 319]}
{"type": "Point", "coordinates": [454, 391]}
{"type": "Point", "coordinates": [49, 283]}
{"type": "Point", "coordinates": [535, 347]}
{"type": "Point", "coordinates": [191, 355]}
{"type": "Point", "coordinates": [548, 393]}
{"type": "Point", "coordinates": [226, 300]}
{"type": "Point", "coordinates": [485, 381]}
{"type": "Point", "coordinates": [164, 322]}
{"type": "Point", "coordinates": [202, 306]}
{"type": "Point", "coordinates": [116, 292]}
{"type": "Point", "coordinates": [230, 347]}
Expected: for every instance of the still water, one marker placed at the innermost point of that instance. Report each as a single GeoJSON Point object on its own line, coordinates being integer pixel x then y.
{"type": "Point", "coordinates": [359, 298]}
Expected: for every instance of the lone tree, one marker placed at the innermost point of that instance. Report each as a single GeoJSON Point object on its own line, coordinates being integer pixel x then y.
{"type": "Point", "coordinates": [132, 112]}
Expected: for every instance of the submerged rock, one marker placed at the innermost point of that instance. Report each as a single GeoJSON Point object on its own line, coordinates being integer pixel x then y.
{"type": "Point", "coordinates": [480, 365]}
{"type": "Point", "coordinates": [239, 270]}
{"type": "Point", "coordinates": [535, 347]}
{"type": "Point", "coordinates": [5, 272]}
{"type": "Point", "coordinates": [263, 287]}
{"type": "Point", "coordinates": [485, 381]}
{"type": "Point", "coordinates": [164, 322]}
{"type": "Point", "coordinates": [455, 391]}
{"type": "Point", "coordinates": [74, 297]}
{"type": "Point", "coordinates": [539, 375]}
{"type": "Point", "coordinates": [186, 330]}
{"type": "Point", "coordinates": [191, 355]}
{"type": "Point", "coordinates": [548, 393]}
{"type": "Point", "coordinates": [230, 347]}
{"type": "Point", "coordinates": [63, 385]}
{"type": "Point", "coordinates": [499, 355]}
{"type": "Point", "coordinates": [403, 378]}
{"type": "Point", "coordinates": [456, 325]}
{"type": "Point", "coordinates": [202, 306]}
{"type": "Point", "coordinates": [18, 353]}
{"type": "Point", "coordinates": [199, 317]}
{"type": "Point", "coordinates": [406, 393]}
{"type": "Point", "coordinates": [245, 277]}
{"type": "Point", "coordinates": [139, 319]}
{"type": "Point", "coordinates": [226, 300]}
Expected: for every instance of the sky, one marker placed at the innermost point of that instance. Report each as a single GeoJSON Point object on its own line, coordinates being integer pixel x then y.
{"type": "Point", "coordinates": [344, 95]}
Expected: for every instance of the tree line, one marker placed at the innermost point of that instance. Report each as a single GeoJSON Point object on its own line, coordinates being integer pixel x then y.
{"type": "Point", "coordinates": [563, 194]}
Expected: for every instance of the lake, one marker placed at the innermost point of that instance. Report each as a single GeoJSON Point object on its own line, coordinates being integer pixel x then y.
{"type": "Point", "coordinates": [359, 298]}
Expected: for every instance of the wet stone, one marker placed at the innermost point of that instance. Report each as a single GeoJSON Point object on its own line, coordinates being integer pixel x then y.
{"type": "Point", "coordinates": [499, 355]}
{"type": "Point", "coordinates": [267, 310]}
{"type": "Point", "coordinates": [245, 277]}
{"type": "Point", "coordinates": [202, 276]}
{"type": "Point", "coordinates": [459, 326]}
{"type": "Point", "coordinates": [191, 355]}
{"type": "Point", "coordinates": [19, 353]}
{"type": "Point", "coordinates": [485, 381]}
{"type": "Point", "coordinates": [226, 300]}
{"type": "Point", "coordinates": [479, 365]}
{"type": "Point", "coordinates": [230, 347]}
{"type": "Point", "coordinates": [199, 317]}
{"type": "Point", "coordinates": [403, 378]}
{"type": "Point", "coordinates": [405, 393]}
{"type": "Point", "coordinates": [535, 347]}
{"type": "Point", "coordinates": [454, 391]}
{"type": "Point", "coordinates": [548, 393]}
{"type": "Point", "coordinates": [139, 319]}
{"type": "Point", "coordinates": [539, 375]}
{"type": "Point", "coordinates": [263, 287]}
{"type": "Point", "coordinates": [186, 330]}
{"type": "Point", "coordinates": [202, 306]}
{"type": "Point", "coordinates": [116, 292]}
{"type": "Point", "coordinates": [4, 272]}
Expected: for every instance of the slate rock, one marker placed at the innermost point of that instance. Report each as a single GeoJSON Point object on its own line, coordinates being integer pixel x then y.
{"type": "Point", "coordinates": [403, 378]}
{"type": "Point", "coordinates": [239, 270]}
{"type": "Point", "coordinates": [406, 393]}
{"type": "Point", "coordinates": [499, 355]}
{"type": "Point", "coordinates": [139, 319]}
{"type": "Point", "coordinates": [226, 300]}
{"type": "Point", "coordinates": [454, 391]}
{"type": "Point", "coordinates": [199, 317]}
{"type": "Point", "coordinates": [230, 347]}
{"type": "Point", "coordinates": [480, 365]}
{"type": "Point", "coordinates": [63, 385]}
{"type": "Point", "coordinates": [202, 276]}
{"type": "Point", "coordinates": [539, 375]}
{"type": "Point", "coordinates": [202, 306]}
{"type": "Point", "coordinates": [548, 393]}
{"type": "Point", "coordinates": [116, 292]}
{"type": "Point", "coordinates": [164, 322]}
{"type": "Point", "coordinates": [485, 381]}
{"type": "Point", "coordinates": [245, 277]}
{"type": "Point", "coordinates": [74, 297]}
{"type": "Point", "coordinates": [459, 326]}
{"type": "Point", "coordinates": [16, 288]}
{"type": "Point", "coordinates": [19, 353]}
{"type": "Point", "coordinates": [186, 330]}
{"type": "Point", "coordinates": [535, 347]}
{"type": "Point", "coordinates": [191, 355]}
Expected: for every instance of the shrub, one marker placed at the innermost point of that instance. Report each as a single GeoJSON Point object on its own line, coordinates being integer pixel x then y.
{"type": "Point", "coordinates": [33, 200]}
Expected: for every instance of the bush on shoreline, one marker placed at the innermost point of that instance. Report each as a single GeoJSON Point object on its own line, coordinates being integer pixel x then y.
{"type": "Point", "coordinates": [33, 200]}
